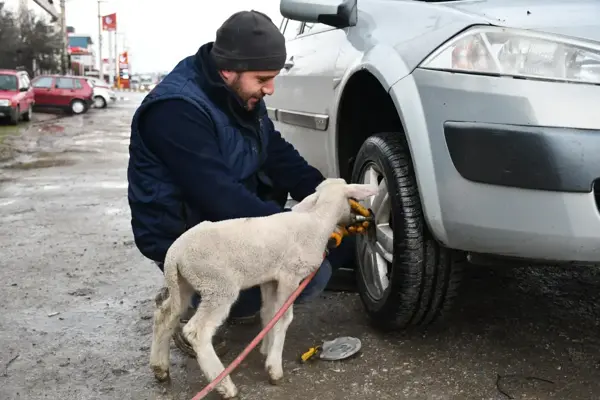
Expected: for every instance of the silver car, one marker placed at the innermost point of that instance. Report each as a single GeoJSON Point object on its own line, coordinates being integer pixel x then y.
{"type": "Point", "coordinates": [478, 120]}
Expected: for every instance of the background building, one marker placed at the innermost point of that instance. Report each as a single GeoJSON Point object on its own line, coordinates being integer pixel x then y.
{"type": "Point", "coordinates": [81, 52]}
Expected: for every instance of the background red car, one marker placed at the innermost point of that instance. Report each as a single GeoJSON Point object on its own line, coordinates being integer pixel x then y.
{"type": "Point", "coordinates": [16, 96]}
{"type": "Point", "coordinates": [70, 93]}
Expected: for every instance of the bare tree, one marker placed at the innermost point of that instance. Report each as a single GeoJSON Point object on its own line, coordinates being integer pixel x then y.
{"type": "Point", "coordinates": [28, 42]}
{"type": "Point", "coordinates": [9, 37]}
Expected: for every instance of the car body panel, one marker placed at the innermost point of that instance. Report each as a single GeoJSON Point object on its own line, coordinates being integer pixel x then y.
{"type": "Point", "coordinates": [312, 76]}
{"type": "Point", "coordinates": [59, 91]}
{"type": "Point", "coordinates": [577, 18]}
{"type": "Point", "coordinates": [42, 86]}
{"type": "Point", "coordinates": [108, 95]}
{"type": "Point", "coordinates": [390, 40]}
{"type": "Point", "coordinates": [487, 218]}
{"type": "Point", "coordinates": [13, 100]}
{"type": "Point", "coordinates": [389, 55]}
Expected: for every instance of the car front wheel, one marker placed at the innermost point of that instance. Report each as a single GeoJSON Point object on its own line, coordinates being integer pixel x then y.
{"type": "Point", "coordinates": [99, 102]}
{"type": "Point", "coordinates": [29, 114]}
{"type": "Point", "coordinates": [405, 277]}
{"type": "Point", "coordinates": [15, 116]}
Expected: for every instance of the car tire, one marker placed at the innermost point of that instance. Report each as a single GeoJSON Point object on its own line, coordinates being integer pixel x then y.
{"type": "Point", "coordinates": [16, 116]}
{"type": "Point", "coordinates": [422, 275]}
{"type": "Point", "coordinates": [77, 107]}
{"type": "Point", "coordinates": [29, 114]}
{"type": "Point", "coordinates": [99, 102]}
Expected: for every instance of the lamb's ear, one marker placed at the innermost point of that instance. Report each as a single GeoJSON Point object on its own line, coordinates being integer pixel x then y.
{"type": "Point", "coordinates": [360, 191]}
{"type": "Point", "coordinates": [306, 204]}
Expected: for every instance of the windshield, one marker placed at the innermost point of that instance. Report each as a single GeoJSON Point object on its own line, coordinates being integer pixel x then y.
{"type": "Point", "coordinates": [8, 82]}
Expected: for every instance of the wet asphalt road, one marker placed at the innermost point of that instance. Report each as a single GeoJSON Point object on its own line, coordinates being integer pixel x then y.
{"type": "Point", "coordinates": [77, 301]}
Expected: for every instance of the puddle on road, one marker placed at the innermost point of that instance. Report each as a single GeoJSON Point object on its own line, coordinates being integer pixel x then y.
{"type": "Point", "coordinates": [52, 128]}
{"type": "Point", "coordinates": [6, 151]}
{"type": "Point", "coordinates": [41, 163]}
{"type": "Point", "coordinates": [6, 130]}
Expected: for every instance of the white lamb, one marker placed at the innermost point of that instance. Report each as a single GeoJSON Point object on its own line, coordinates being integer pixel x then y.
{"type": "Point", "coordinates": [218, 259]}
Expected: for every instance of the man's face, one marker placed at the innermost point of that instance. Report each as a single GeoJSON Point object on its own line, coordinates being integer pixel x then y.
{"type": "Point", "coordinates": [251, 86]}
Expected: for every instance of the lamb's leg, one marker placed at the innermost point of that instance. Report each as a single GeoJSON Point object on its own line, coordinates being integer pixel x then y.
{"type": "Point", "coordinates": [274, 363]}
{"type": "Point", "coordinates": [199, 332]}
{"type": "Point", "coordinates": [166, 318]}
{"type": "Point", "coordinates": [268, 293]}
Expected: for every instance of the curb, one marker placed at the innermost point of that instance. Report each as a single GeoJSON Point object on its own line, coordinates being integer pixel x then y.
{"type": "Point", "coordinates": [131, 90]}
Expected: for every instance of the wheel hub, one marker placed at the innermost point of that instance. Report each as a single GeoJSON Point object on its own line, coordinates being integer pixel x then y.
{"type": "Point", "coordinates": [376, 249]}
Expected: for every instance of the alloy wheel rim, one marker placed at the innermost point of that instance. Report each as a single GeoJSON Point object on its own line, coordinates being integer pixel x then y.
{"type": "Point", "coordinates": [77, 107]}
{"type": "Point", "coordinates": [376, 250]}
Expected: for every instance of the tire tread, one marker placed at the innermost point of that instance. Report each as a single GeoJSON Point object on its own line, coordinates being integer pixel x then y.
{"type": "Point", "coordinates": [425, 275]}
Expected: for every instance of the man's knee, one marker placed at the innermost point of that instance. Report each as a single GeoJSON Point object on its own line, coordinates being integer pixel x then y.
{"type": "Point", "coordinates": [248, 303]}
{"type": "Point", "coordinates": [317, 284]}
{"type": "Point", "coordinates": [344, 254]}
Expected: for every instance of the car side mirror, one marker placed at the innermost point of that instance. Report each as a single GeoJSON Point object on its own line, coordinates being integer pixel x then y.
{"type": "Point", "coordinates": [336, 13]}
{"type": "Point", "coordinates": [23, 89]}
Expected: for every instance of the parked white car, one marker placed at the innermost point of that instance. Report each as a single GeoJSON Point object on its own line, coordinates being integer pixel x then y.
{"type": "Point", "coordinates": [478, 120]}
{"type": "Point", "coordinates": [103, 94]}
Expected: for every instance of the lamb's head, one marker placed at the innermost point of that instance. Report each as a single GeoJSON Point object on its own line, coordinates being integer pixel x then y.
{"type": "Point", "coordinates": [331, 198]}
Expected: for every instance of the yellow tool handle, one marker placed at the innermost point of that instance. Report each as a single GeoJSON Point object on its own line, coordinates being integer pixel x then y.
{"type": "Point", "coordinates": [336, 237]}
{"type": "Point", "coordinates": [359, 209]}
{"type": "Point", "coordinates": [357, 228]}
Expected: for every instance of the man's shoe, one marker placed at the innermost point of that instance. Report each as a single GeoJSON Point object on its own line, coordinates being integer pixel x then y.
{"type": "Point", "coordinates": [219, 343]}
{"type": "Point", "coordinates": [253, 319]}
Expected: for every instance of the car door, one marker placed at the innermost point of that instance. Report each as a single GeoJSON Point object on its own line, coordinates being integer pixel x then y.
{"type": "Point", "coordinates": [42, 90]}
{"type": "Point", "coordinates": [30, 95]}
{"type": "Point", "coordinates": [25, 98]}
{"type": "Point", "coordinates": [305, 90]}
{"type": "Point", "coordinates": [65, 91]}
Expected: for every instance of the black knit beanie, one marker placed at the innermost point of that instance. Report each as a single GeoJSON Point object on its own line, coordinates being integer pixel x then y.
{"type": "Point", "coordinates": [249, 41]}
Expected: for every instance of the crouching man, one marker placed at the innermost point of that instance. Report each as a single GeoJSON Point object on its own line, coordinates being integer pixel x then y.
{"type": "Point", "coordinates": [203, 149]}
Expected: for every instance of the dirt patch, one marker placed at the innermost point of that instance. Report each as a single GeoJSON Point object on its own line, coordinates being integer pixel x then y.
{"type": "Point", "coordinates": [42, 163]}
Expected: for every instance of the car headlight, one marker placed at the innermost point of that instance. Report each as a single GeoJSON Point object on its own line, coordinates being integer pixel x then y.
{"type": "Point", "coordinates": [4, 103]}
{"type": "Point", "coordinates": [490, 50]}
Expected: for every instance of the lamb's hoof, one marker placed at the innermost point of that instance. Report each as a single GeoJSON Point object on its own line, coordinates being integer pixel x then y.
{"type": "Point", "coordinates": [230, 394]}
{"type": "Point", "coordinates": [275, 381]}
{"type": "Point", "coordinates": [161, 375]}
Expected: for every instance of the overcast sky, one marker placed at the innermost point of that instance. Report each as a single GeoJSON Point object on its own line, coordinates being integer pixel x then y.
{"type": "Point", "coordinates": [159, 32]}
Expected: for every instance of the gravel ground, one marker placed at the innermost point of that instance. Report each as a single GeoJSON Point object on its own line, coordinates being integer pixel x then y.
{"type": "Point", "coordinates": [77, 301]}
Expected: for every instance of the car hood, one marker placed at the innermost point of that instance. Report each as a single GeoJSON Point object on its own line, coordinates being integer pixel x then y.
{"type": "Point", "coordinates": [578, 18]}
{"type": "Point", "coordinates": [7, 95]}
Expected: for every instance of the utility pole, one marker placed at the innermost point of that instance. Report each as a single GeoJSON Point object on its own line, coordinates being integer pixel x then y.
{"type": "Point", "coordinates": [63, 27]}
{"type": "Point", "coordinates": [117, 61]}
{"type": "Point", "coordinates": [101, 67]}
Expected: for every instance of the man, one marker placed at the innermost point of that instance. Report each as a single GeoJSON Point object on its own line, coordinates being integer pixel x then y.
{"type": "Point", "coordinates": [203, 149]}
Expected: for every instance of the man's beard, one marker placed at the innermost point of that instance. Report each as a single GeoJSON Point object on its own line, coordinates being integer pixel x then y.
{"type": "Point", "coordinates": [237, 88]}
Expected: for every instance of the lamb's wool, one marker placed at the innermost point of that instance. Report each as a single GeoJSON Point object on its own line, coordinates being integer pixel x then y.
{"type": "Point", "coordinates": [218, 259]}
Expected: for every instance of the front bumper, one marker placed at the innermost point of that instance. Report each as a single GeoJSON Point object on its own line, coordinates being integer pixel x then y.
{"type": "Point", "coordinates": [506, 166]}
{"type": "Point", "coordinates": [6, 111]}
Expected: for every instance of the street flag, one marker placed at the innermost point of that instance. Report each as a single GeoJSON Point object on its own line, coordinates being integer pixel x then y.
{"type": "Point", "coordinates": [109, 22]}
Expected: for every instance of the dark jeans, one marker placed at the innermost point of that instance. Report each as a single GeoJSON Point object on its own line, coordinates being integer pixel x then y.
{"type": "Point", "coordinates": [249, 300]}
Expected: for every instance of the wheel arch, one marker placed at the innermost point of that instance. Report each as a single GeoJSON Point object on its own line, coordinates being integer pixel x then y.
{"type": "Point", "coordinates": [357, 119]}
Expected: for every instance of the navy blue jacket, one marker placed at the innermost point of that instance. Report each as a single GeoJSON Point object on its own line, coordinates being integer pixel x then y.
{"type": "Point", "coordinates": [196, 154]}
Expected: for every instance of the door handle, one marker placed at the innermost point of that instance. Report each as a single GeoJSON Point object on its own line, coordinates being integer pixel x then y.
{"type": "Point", "coordinates": [289, 63]}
